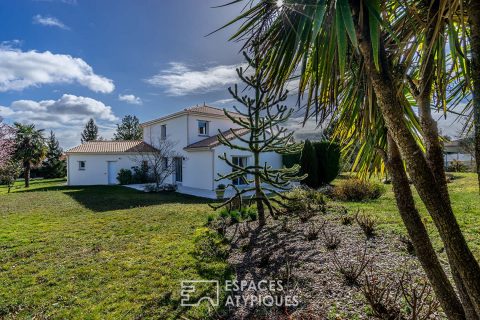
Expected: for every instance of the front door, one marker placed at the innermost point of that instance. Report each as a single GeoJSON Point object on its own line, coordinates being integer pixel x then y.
{"type": "Point", "coordinates": [178, 169]}
{"type": "Point", "coordinates": [112, 172]}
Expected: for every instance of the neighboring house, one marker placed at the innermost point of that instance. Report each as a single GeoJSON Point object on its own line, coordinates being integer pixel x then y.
{"type": "Point", "coordinates": [453, 150]}
{"type": "Point", "coordinates": [195, 133]}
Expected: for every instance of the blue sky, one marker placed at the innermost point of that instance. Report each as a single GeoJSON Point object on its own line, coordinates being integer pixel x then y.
{"type": "Point", "coordinates": [64, 60]}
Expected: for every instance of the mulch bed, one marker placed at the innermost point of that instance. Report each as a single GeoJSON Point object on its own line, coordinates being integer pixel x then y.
{"type": "Point", "coordinates": [308, 270]}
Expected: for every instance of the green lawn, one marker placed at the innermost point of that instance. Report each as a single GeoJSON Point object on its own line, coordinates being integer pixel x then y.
{"type": "Point", "coordinates": [97, 252]}
{"type": "Point", "coordinates": [115, 253]}
{"type": "Point", "coordinates": [465, 201]}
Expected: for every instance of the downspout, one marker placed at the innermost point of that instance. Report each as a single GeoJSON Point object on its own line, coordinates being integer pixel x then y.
{"type": "Point", "coordinates": [213, 169]}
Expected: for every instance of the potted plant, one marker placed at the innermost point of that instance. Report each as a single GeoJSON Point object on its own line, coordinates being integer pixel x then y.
{"type": "Point", "coordinates": [220, 191]}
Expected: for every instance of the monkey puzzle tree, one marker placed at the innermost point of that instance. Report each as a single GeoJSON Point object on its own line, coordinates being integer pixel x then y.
{"type": "Point", "coordinates": [372, 63]}
{"type": "Point", "coordinates": [261, 119]}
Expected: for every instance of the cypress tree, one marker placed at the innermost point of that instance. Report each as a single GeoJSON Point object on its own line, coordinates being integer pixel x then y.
{"type": "Point", "coordinates": [309, 165]}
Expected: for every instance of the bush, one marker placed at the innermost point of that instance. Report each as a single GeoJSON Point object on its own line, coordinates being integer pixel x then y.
{"type": "Point", "coordinates": [309, 165]}
{"type": "Point", "coordinates": [367, 223]}
{"type": "Point", "coordinates": [289, 160]}
{"type": "Point", "coordinates": [457, 166]}
{"type": "Point", "coordinates": [355, 189]}
{"type": "Point", "coordinates": [209, 245]}
{"type": "Point", "coordinates": [328, 158]}
{"type": "Point", "coordinates": [140, 174]}
{"type": "Point", "coordinates": [9, 173]}
{"type": "Point", "coordinates": [125, 176]}
{"type": "Point", "coordinates": [304, 202]}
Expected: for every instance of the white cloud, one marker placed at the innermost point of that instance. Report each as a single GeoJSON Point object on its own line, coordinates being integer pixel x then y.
{"type": "Point", "coordinates": [66, 116]}
{"type": "Point", "coordinates": [130, 98]}
{"type": "Point", "coordinates": [179, 79]}
{"type": "Point", "coordinates": [49, 22]}
{"type": "Point", "coordinates": [20, 70]}
{"type": "Point", "coordinates": [224, 101]}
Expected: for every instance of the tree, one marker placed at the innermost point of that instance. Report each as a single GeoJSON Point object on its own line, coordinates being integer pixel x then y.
{"type": "Point", "coordinates": [357, 60]}
{"type": "Point", "coordinates": [309, 165]}
{"type": "Point", "coordinates": [7, 142]}
{"type": "Point", "coordinates": [30, 148]}
{"type": "Point", "coordinates": [161, 161]}
{"type": "Point", "coordinates": [90, 133]}
{"type": "Point", "coordinates": [327, 156]}
{"type": "Point", "coordinates": [9, 172]}
{"type": "Point", "coordinates": [129, 129]}
{"type": "Point", "coordinates": [53, 166]}
{"type": "Point", "coordinates": [468, 144]}
{"type": "Point", "coordinates": [262, 117]}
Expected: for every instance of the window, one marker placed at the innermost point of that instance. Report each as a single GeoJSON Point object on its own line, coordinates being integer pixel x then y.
{"type": "Point", "coordinates": [164, 163]}
{"type": "Point", "coordinates": [241, 162]}
{"type": "Point", "coordinates": [163, 132]}
{"type": "Point", "coordinates": [202, 128]}
{"type": "Point", "coordinates": [178, 169]}
{"type": "Point", "coordinates": [81, 165]}
{"type": "Point", "coordinates": [144, 164]}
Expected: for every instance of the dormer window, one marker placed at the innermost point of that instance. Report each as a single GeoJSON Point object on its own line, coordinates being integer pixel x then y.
{"type": "Point", "coordinates": [202, 128]}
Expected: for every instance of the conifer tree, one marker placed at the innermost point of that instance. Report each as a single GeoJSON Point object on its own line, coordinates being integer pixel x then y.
{"type": "Point", "coordinates": [262, 116]}
{"type": "Point", "coordinates": [53, 166]}
{"type": "Point", "coordinates": [129, 129]}
{"type": "Point", "coordinates": [90, 133]}
{"type": "Point", "coordinates": [309, 165]}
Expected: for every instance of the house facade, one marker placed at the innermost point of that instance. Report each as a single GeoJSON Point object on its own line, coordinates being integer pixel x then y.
{"type": "Point", "coordinates": [194, 132]}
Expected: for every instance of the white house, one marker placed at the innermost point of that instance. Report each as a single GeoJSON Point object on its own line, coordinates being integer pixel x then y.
{"type": "Point", "coordinates": [195, 133]}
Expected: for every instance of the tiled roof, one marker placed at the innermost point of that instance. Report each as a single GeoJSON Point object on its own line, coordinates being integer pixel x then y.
{"type": "Point", "coordinates": [203, 109]}
{"type": "Point", "coordinates": [212, 142]}
{"type": "Point", "coordinates": [207, 109]}
{"type": "Point", "coordinates": [112, 147]}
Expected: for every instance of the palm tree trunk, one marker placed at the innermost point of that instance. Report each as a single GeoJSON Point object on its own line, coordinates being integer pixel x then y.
{"type": "Point", "coordinates": [423, 178]}
{"type": "Point", "coordinates": [474, 21]}
{"type": "Point", "coordinates": [26, 173]}
{"type": "Point", "coordinates": [419, 235]}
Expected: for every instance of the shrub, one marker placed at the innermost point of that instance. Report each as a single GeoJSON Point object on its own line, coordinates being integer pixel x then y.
{"type": "Point", "coordinates": [312, 231]}
{"type": "Point", "coordinates": [457, 166]}
{"type": "Point", "coordinates": [301, 199]}
{"type": "Point", "coordinates": [209, 245]}
{"type": "Point", "coordinates": [367, 224]}
{"type": "Point", "coordinates": [351, 270]}
{"type": "Point", "coordinates": [328, 158]}
{"type": "Point", "coordinates": [140, 174]}
{"type": "Point", "coordinates": [309, 165]}
{"type": "Point", "coordinates": [346, 219]}
{"type": "Point", "coordinates": [249, 213]}
{"type": "Point", "coordinates": [9, 173]}
{"type": "Point", "coordinates": [289, 160]}
{"type": "Point", "coordinates": [125, 176]}
{"type": "Point", "coordinates": [330, 240]}
{"type": "Point", "coordinates": [355, 189]}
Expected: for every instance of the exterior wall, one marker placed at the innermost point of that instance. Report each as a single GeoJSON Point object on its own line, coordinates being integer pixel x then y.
{"type": "Point", "coordinates": [176, 132]}
{"type": "Point", "coordinates": [215, 124]}
{"type": "Point", "coordinates": [271, 158]}
{"type": "Point", "coordinates": [96, 167]}
{"type": "Point", "coordinates": [198, 170]}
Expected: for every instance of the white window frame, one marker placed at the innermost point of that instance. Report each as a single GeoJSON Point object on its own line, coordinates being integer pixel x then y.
{"type": "Point", "coordinates": [207, 125]}
{"type": "Point", "coordinates": [236, 181]}
{"type": "Point", "coordinates": [80, 167]}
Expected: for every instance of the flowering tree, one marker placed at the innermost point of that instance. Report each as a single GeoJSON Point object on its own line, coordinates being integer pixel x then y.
{"type": "Point", "coordinates": [7, 142]}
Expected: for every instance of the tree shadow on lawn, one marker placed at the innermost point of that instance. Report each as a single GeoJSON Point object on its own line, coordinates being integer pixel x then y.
{"type": "Point", "coordinates": [109, 198]}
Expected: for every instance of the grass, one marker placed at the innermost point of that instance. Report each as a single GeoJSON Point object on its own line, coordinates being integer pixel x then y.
{"type": "Point", "coordinates": [465, 202]}
{"type": "Point", "coordinates": [98, 252]}
{"type": "Point", "coordinates": [114, 253]}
